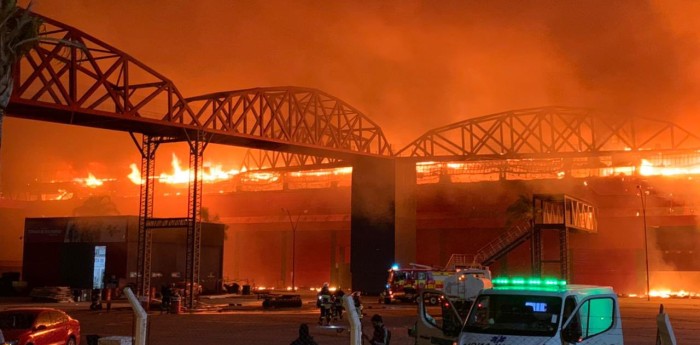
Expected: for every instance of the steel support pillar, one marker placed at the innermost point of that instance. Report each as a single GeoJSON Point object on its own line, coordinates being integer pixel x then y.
{"type": "Point", "coordinates": [148, 153]}
{"type": "Point", "coordinates": [194, 227]}
{"type": "Point", "coordinates": [372, 223]}
{"type": "Point", "coordinates": [564, 253]}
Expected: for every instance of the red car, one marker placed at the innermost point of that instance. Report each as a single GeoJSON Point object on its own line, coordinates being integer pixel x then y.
{"type": "Point", "coordinates": [39, 326]}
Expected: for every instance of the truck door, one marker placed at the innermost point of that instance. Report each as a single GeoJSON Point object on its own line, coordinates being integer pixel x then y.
{"type": "Point", "coordinates": [596, 320]}
{"type": "Point", "coordinates": [438, 324]}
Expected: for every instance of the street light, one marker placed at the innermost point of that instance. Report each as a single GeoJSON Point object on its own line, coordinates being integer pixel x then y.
{"type": "Point", "coordinates": [294, 241]}
{"type": "Point", "coordinates": [643, 197]}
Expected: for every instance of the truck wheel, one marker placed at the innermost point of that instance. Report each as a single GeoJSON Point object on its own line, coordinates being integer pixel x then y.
{"type": "Point", "coordinates": [387, 300]}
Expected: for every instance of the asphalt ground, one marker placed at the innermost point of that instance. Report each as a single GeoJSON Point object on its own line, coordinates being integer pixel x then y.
{"type": "Point", "coordinates": [243, 320]}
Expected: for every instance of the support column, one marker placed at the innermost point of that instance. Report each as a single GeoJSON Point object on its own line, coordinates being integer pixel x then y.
{"type": "Point", "coordinates": [372, 223]}
{"type": "Point", "coordinates": [564, 253]}
{"type": "Point", "coordinates": [194, 227]}
{"type": "Point", "coordinates": [406, 201]}
{"type": "Point", "coordinates": [143, 262]}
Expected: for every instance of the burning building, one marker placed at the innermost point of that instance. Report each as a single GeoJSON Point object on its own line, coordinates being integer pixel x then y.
{"type": "Point", "coordinates": [300, 222]}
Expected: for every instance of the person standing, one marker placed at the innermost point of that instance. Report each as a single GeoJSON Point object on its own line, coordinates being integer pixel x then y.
{"type": "Point", "coordinates": [304, 337]}
{"type": "Point", "coordinates": [381, 335]}
{"type": "Point", "coordinates": [338, 304]}
{"type": "Point", "coordinates": [325, 303]}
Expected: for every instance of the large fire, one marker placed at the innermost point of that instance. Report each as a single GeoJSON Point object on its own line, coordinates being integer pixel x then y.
{"type": "Point", "coordinates": [212, 173]}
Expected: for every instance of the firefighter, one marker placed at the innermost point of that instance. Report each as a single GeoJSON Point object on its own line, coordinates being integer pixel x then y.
{"type": "Point", "coordinates": [338, 304]}
{"type": "Point", "coordinates": [324, 303]}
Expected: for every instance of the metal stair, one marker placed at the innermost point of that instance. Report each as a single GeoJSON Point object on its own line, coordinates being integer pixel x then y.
{"type": "Point", "coordinates": [459, 260]}
{"type": "Point", "coordinates": [504, 243]}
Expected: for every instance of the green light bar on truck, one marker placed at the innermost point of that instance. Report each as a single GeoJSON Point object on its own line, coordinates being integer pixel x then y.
{"type": "Point", "coordinates": [528, 282]}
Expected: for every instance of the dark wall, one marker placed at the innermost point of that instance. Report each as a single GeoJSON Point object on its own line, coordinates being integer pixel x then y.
{"type": "Point", "coordinates": [60, 251]}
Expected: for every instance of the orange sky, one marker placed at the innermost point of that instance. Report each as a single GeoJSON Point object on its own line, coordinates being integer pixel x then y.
{"type": "Point", "coordinates": [408, 65]}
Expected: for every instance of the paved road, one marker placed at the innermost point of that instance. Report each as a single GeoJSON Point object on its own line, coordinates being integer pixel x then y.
{"type": "Point", "coordinates": [251, 325]}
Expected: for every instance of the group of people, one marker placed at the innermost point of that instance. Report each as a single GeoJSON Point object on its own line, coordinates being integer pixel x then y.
{"type": "Point", "coordinates": [331, 304]}
{"type": "Point", "coordinates": [380, 336]}
{"type": "Point", "coordinates": [331, 308]}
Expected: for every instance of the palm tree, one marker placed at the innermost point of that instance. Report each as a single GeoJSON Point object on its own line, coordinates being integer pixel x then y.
{"type": "Point", "coordinates": [520, 210]}
{"type": "Point", "coordinates": [99, 205]}
{"type": "Point", "coordinates": [19, 32]}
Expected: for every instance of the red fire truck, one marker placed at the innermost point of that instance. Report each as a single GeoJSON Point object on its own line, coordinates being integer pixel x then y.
{"type": "Point", "coordinates": [403, 283]}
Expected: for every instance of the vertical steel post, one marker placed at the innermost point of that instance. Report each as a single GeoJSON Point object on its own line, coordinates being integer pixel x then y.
{"type": "Point", "coordinates": [143, 270]}
{"type": "Point", "coordinates": [642, 196]}
{"type": "Point", "coordinates": [194, 226]}
{"type": "Point", "coordinates": [564, 253]}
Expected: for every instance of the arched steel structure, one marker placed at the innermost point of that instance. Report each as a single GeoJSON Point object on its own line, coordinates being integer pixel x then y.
{"type": "Point", "coordinates": [548, 132]}
{"type": "Point", "coordinates": [100, 86]}
{"type": "Point", "coordinates": [290, 119]}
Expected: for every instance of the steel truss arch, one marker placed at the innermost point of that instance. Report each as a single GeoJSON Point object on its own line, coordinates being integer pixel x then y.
{"type": "Point", "coordinates": [73, 78]}
{"type": "Point", "coordinates": [284, 115]}
{"type": "Point", "coordinates": [549, 132]}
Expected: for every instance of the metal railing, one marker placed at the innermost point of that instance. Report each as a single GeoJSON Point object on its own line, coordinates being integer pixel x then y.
{"type": "Point", "coordinates": [503, 243]}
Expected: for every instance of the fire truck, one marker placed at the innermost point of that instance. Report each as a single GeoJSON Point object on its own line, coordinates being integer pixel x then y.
{"type": "Point", "coordinates": [403, 283]}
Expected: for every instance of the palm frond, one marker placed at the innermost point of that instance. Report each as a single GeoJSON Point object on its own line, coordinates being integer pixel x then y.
{"type": "Point", "coordinates": [19, 31]}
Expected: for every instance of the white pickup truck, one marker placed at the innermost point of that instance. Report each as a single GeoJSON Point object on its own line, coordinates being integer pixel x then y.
{"type": "Point", "coordinates": [523, 311]}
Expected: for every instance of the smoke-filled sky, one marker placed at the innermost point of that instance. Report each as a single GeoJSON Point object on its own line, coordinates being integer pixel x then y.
{"type": "Point", "coordinates": [409, 65]}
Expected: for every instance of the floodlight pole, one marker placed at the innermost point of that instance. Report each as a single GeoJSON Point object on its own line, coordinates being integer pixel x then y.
{"type": "Point", "coordinates": [642, 196]}
{"type": "Point", "coordinates": [294, 243]}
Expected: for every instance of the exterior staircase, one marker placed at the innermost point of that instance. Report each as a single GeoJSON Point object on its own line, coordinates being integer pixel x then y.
{"type": "Point", "coordinates": [501, 245]}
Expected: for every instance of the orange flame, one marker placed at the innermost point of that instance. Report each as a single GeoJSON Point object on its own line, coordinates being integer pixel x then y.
{"type": "Point", "coordinates": [209, 174]}
{"type": "Point", "coordinates": [667, 293]}
{"type": "Point", "coordinates": [135, 175]}
{"type": "Point", "coordinates": [91, 181]}
{"type": "Point", "coordinates": [648, 169]}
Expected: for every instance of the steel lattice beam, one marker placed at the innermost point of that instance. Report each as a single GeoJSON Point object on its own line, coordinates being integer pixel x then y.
{"type": "Point", "coordinates": [76, 79]}
{"type": "Point", "coordinates": [284, 115]}
{"type": "Point", "coordinates": [549, 132]}
{"type": "Point", "coordinates": [262, 160]}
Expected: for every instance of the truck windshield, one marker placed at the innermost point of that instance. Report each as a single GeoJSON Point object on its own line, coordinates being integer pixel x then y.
{"type": "Point", "coordinates": [514, 315]}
